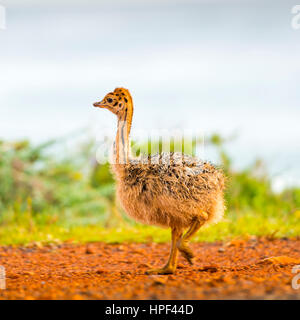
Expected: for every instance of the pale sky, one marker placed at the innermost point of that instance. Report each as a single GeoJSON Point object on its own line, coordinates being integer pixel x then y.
{"type": "Point", "coordinates": [218, 66]}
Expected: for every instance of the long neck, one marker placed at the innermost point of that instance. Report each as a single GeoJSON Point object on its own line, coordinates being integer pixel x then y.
{"type": "Point", "coordinates": [122, 143]}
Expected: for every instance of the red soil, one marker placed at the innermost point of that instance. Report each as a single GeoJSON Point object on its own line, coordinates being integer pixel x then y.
{"type": "Point", "coordinates": [239, 269]}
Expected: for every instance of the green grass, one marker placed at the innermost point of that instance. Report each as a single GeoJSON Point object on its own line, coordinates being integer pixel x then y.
{"type": "Point", "coordinates": [233, 226]}
{"type": "Point", "coordinates": [46, 198]}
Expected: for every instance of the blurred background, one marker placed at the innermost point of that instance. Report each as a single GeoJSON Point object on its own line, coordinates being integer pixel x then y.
{"type": "Point", "coordinates": [228, 68]}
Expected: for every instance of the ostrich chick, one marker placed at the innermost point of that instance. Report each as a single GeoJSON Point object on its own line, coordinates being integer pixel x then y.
{"type": "Point", "coordinates": [167, 189]}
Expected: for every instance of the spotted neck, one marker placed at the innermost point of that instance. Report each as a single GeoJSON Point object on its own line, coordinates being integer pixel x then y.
{"type": "Point", "coordinates": [122, 143]}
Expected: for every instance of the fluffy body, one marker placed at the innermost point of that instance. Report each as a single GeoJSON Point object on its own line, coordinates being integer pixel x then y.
{"type": "Point", "coordinates": [170, 190]}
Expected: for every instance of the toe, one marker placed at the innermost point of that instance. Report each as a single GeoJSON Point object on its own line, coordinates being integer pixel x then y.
{"type": "Point", "coordinates": [160, 271]}
{"type": "Point", "coordinates": [187, 253]}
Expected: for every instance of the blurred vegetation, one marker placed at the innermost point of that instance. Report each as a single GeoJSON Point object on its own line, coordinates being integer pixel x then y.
{"type": "Point", "coordinates": [45, 197]}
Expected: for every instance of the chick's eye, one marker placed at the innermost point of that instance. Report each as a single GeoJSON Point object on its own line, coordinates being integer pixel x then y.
{"type": "Point", "coordinates": [109, 100]}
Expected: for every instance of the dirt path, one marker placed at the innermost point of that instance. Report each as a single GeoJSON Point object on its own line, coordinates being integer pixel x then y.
{"type": "Point", "coordinates": [101, 271]}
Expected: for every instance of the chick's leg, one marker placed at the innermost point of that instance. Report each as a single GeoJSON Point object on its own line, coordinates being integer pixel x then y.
{"type": "Point", "coordinates": [182, 243]}
{"type": "Point", "coordinates": [171, 265]}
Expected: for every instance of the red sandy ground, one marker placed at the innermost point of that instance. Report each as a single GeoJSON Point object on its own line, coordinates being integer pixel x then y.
{"type": "Point", "coordinates": [255, 269]}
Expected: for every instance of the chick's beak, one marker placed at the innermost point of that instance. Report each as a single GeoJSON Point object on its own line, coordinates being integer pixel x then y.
{"type": "Point", "coordinates": [99, 104]}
